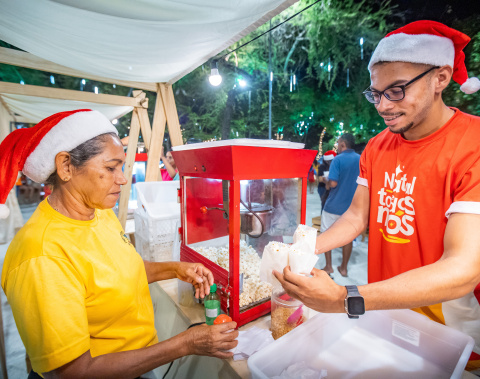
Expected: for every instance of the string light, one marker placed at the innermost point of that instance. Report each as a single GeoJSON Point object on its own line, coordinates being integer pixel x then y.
{"type": "Point", "coordinates": [320, 143]}
{"type": "Point", "coordinates": [329, 68]}
{"type": "Point", "coordinates": [215, 78]}
{"type": "Point", "coordinates": [361, 48]}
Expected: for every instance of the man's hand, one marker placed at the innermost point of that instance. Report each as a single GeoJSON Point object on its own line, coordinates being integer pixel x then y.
{"type": "Point", "coordinates": [197, 274]}
{"type": "Point", "coordinates": [213, 340]}
{"type": "Point", "coordinates": [162, 154]}
{"type": "Point", "coordinates": [318, 292]}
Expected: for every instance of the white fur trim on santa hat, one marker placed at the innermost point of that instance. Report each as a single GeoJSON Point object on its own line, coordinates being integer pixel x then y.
{"type": "Point", "coordinates": [328, 157]}
{"type": "Point", "coordinates": [414, 48]}
{"type": "Point", "coordinates": [4, 211]}
{"type": "Point", "coordinates": [471, 85]}
{"type": "Point", "coordinates": [69, 133]}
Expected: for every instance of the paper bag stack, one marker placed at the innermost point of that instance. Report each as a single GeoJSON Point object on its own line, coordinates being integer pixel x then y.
{"type": "Point", "coordinates": [300, 256]}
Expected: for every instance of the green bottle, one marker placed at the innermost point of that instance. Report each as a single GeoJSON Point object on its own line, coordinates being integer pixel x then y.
{"type": "Point", "coordinates": [212, 305]}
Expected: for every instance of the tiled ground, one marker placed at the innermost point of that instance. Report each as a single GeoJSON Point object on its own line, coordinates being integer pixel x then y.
{"type": "Point", "coordinates": [357, 271]}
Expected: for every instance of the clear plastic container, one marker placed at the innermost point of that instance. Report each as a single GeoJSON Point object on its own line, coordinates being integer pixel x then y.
{"type": "Point", "coordinates": [394, 344]}
{"type": "Point", "coordinates": [287, 313]}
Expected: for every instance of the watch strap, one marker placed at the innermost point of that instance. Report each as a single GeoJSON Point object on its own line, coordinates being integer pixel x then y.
{"type": "Point", "coordinates": [352, 291]}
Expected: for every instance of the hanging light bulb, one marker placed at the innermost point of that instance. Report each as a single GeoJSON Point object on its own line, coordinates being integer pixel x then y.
{"type": "Point", "coordinates": [215, 78]}
{"type": "Point", "coordinates": [361, 48]}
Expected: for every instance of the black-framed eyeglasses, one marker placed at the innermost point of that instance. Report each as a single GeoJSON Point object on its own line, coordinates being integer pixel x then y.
{"type": "Point", "coordinates": [394, 93]}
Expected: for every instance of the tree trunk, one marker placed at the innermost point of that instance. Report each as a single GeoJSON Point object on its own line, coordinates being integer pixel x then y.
{"type": "Point", "coordinates": [227, 116]}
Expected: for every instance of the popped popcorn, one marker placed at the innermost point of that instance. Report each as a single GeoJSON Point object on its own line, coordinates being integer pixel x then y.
{"type": "Point", "coordinates": [253, 288]}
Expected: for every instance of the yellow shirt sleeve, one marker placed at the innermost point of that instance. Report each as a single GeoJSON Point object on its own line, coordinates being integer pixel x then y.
{"type": "Point", "coordinates": [48, 305]}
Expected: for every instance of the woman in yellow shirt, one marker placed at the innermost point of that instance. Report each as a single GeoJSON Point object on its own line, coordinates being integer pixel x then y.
{"type": "Point", "coordinates": [78, 289]}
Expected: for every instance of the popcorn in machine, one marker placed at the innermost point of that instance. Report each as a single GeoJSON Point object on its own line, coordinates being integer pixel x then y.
{"type": "Point", "coordinates": [236, 196]}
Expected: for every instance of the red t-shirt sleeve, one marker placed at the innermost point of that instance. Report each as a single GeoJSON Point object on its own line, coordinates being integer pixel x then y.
{"type": "Point", "coordinates": [466, 198]}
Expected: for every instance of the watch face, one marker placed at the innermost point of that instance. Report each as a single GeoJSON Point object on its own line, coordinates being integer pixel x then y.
{"type": "Point", "coordinates": [356, 305]}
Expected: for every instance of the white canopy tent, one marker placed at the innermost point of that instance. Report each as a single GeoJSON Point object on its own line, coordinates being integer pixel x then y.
{"type": "Point", "coordinates": [155, 41]}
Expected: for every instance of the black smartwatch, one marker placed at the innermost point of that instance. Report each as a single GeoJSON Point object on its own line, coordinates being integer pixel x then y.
{"type": "Point", "coordinates": [354, 302]}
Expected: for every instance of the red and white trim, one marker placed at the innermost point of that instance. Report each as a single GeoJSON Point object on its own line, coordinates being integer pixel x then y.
{"type": "Point", "coordinates": [362, 181]}
{"type": "Point", "coordinates": [472, 207]}
{"type": "Point", "coordinates": [419, 48]}
{"type": "Point", "coordinates": [64, 136]}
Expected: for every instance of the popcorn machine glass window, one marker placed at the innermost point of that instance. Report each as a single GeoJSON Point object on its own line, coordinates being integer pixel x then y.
{"type": "Point", "coordinates": [227, 222]}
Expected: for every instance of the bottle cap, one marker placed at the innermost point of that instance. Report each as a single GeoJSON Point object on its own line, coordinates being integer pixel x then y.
{"type": "Point", "coordinates": [213, 287]}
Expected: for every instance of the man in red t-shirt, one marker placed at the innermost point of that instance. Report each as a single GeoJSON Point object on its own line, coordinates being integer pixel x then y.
{"type": "Point", "coordinates": [418, 190]}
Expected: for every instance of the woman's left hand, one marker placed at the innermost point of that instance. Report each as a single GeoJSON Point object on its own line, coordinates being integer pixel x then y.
{"type": "Point", "coordinates": [197, 274]}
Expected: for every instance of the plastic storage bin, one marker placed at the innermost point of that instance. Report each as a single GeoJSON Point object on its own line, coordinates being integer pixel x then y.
{"type": "Point", "coordinates": [381, 344]}
{"type": "Point", "coordinates": [156, 219]}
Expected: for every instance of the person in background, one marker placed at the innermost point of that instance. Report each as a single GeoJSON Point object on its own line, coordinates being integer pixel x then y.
{"type": "Point", "coordinates": [322, 175]}
{"type": "Point", "coordinates": [312, 174]}
{"type": "Point", "coordinates": [418, 190]}
{"type": "Point", "coordinates": [77, 288]}
{"type": "Point", "coordinates": [342, 183]}
{"type": "Point", "coordinates": [170, 171]}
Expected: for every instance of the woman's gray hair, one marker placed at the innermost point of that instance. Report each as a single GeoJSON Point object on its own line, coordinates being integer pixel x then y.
{"type": "Point", "coordinates": [80, 155]}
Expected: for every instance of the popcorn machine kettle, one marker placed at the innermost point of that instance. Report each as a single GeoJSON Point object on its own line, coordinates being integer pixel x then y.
{"type": "Point", "coordinates": [236, 196]}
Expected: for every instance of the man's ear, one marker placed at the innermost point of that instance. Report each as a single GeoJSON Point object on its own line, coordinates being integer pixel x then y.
{"type": "Point", "coordinates": [442, 78]}
{"type": "Point", "coordinates": [64, 166]}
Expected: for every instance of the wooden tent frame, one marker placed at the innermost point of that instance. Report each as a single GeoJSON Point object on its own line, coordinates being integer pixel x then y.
{"type": "Point", "coordinates": [165, 113]}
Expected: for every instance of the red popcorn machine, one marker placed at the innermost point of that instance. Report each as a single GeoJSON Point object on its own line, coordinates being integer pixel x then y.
{"type": "Point", "coordinates": [236, 196]}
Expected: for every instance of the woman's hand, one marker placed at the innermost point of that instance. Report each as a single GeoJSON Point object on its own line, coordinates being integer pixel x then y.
{"type": "Point", "coordinates": [197, 274]}
{"type": "Point", "coordinates": [214, 340]}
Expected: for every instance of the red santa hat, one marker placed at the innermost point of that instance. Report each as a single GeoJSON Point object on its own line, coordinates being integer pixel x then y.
{"type": "Point", "coordinates": [428, 42]}
{"type": "Point", "coordinates": [329, 155]}
{"type": "Point", "coordinates": [33, 150]}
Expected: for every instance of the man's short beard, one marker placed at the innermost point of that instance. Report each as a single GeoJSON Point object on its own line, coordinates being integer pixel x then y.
{"type": "Point", "coordinates": [402, 130]}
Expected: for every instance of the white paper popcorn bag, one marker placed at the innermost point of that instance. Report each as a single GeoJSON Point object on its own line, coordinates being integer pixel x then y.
{"type": "Point", "coordinates": [301, 262]}
{"type": "Point", "coordinates": [275, 257]}
{"type": "Point", "coordinates": [307, 236]}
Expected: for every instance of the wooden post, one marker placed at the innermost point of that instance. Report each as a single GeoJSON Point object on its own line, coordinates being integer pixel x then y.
{"type": "Point", "coordinates": [145, 127]}
{"type": "Point", "coordinates": [156, 140]}
{"type": "Point", "coordinates": [171, 113]}
{"type": "Point", "coordinates": [128, 170]}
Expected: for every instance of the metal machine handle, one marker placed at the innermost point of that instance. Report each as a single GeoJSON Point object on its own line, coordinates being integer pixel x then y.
{"type": "Point", "coordinates": [259, 219]}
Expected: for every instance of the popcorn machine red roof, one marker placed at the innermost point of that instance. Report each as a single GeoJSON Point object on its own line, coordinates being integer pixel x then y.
{"type": "Point", "coordinates": [236, 196]}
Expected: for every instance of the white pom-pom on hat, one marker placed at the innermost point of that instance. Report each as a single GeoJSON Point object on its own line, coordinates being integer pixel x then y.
{"type": "Point", "coordinates": [4, 211]}
{"type": "Point", "coordinates": [471, 85]}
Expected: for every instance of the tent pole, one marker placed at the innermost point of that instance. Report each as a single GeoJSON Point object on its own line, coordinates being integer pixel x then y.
{"type": "Point", "coordinates": [156, 140]}
{"type": "Point", "coordinates": [128, 170]}
{"type": "Point", "coordinates": [145, 127]}
{"type": "Point", "coordinates": [173, 123]}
